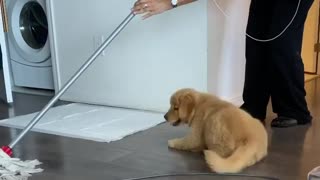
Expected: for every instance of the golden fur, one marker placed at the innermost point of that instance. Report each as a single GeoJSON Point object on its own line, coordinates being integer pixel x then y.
{"type": "Point", "coordinates": [230, 138]}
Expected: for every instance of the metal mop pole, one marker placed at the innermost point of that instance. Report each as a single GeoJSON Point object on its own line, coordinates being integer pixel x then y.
{"type": "Point", "coordinates": [8, 149]}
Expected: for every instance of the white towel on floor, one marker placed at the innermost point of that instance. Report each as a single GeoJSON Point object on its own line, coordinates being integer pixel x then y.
{"type": "Point", "coordinates": [15, 169]}
{"type": "Point", "coordinates": [90, 122]}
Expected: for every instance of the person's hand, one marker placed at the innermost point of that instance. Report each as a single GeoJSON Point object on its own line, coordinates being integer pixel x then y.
{"type": "Point", "coordinates": [151, 7]}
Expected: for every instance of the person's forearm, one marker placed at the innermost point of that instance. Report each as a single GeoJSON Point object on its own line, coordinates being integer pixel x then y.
{"type": "Point", "coordinates": [183, 2]}
{"type": "Point", "coordinates": [153, 7]}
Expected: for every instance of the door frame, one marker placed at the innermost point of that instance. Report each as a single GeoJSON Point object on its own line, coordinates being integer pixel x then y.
{"type": "Point", "coordinates": [317, 49]}
{"type": "Point", "coordinates": [6, 76]}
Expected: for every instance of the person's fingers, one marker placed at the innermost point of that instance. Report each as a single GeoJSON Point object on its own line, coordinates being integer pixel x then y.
{"type": "Point", "coordinates": [148, 15]}
{"type": "Point", "coordinates": [138, 11]}
{"type": "Point", "coordinates": [141, 6]}
{"type": "Point", "coordinates": [143, 3]}
{"type": "Point", "coordinates": [135, 5]}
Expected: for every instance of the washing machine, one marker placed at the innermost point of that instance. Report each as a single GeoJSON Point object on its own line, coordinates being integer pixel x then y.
{"type": "Point", "coordinates": [28, 41]}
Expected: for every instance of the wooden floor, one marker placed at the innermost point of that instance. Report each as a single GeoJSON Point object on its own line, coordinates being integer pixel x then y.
{"type": "Point", "coordinates": [293, 152]}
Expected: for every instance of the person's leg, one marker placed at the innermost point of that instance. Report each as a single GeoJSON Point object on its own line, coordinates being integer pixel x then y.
{"type": "Point", "coordinates": [287, 72]}
{"type": "Point", "coordinates": [256, 92]}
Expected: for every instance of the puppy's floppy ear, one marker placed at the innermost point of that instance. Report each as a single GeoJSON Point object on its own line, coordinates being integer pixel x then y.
{"type": "Point", "coordinates": [187, 103]}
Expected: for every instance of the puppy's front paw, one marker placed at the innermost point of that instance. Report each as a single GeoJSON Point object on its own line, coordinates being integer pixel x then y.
{"type": "Point", "coordinates": [173, 143]}
{"type": "Point", "coordinates": [196, 150]}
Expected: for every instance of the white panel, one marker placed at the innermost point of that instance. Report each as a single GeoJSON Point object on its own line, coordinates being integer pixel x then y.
{"type": "Point", "coordinates": [143, 66]}
{"type": "Point", "coordinates": [191, 46]}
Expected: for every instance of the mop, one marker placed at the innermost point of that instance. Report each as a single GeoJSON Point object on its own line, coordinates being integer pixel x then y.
{"type": "Point", "coordinates": [16, 169]}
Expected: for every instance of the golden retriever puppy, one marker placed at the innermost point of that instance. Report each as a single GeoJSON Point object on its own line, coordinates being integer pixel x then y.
{"type": "Point", "coordinates": [230, 138]}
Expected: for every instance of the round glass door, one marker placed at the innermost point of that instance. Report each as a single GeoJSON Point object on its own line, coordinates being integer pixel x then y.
{"type": "Point", "coordinates": [33, 25]}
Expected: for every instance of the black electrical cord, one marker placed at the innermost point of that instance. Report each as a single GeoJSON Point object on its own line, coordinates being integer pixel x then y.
{"type": "Point", "coordinates": [204, 174]}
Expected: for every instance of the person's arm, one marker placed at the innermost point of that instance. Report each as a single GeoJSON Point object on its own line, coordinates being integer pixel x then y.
{"type": "Point", "coordinates": [153, 7]}
{"type": "Point", "coordinates": [183, 2]}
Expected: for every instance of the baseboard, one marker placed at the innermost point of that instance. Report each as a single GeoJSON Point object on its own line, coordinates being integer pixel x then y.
{"type": "Point", "coordinates": [310, 77]}
{"type": "Point", "coordinates": [32, 91]}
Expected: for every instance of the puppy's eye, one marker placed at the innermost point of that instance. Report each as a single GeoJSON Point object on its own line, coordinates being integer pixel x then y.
{"type": "Point", "coordinates": [176, 108]}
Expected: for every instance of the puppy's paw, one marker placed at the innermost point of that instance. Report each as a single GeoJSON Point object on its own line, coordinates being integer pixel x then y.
{"type": "Point", "coordinates": [196, 150]}
{"type": "Point", "coordinates": [173, 143]}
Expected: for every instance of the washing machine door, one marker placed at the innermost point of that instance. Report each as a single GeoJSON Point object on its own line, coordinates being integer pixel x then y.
{"type": "Point", "coordinates": [29, 30]}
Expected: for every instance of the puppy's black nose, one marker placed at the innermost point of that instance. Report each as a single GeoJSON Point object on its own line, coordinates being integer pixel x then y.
{"type": "Point", "coordinates": [166, 116]}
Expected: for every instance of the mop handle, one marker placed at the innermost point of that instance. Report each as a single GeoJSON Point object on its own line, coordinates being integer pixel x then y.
{"type": "Point", "coordinates": [72, 80]}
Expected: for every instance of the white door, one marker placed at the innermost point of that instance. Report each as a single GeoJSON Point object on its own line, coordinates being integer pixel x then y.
{"type": "Point", "coordinates": [6, 83]}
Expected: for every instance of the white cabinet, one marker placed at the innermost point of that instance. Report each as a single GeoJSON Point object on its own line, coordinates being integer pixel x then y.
{"type": "Point", "coordinates": [191, 46]}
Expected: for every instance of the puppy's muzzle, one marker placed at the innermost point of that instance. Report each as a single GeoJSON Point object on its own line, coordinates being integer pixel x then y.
{"type": "Point", "coordinates": [176, 123]}
{"type": "Point", "coordinates": [166, 116]}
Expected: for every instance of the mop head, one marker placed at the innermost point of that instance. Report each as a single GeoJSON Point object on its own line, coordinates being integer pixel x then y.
{"type": "Point", "coordinates": [15, 169]}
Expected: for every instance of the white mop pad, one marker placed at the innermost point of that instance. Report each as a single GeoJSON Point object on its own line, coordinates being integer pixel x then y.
{"type": "Point", "coordinates": [15, 169]}
{"type": "Point", "coordinates": [91, 122]}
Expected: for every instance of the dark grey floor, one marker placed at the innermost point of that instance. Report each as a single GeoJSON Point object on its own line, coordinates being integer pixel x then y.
{"type": "Point", "coordinates": [293, 152]}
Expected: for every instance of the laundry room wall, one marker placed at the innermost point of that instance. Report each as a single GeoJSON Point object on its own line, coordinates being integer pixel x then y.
{"type": "Point", "coordinates": [191, 46]}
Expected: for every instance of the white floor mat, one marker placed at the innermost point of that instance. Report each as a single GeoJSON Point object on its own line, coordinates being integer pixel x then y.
{"type": "Point", "coordinates": [97, 123]}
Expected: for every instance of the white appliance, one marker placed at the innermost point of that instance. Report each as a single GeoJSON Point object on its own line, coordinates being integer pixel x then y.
{"type": "Point", "coordinates": [29, 50]}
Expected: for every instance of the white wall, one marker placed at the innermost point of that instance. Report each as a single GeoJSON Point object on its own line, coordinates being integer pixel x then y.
{"type": "Point", "coordinates": [192, 46]}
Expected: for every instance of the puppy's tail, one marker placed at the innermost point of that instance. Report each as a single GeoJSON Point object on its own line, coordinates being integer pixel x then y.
{"type": "Point", "coordinates": [244, 156]}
